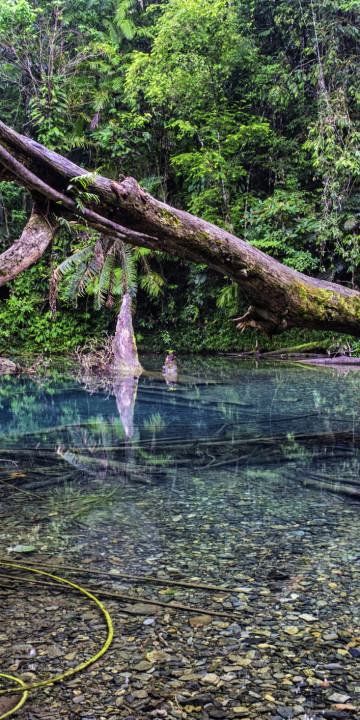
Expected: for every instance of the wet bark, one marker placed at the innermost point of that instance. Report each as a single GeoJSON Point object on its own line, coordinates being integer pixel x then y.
{"type": "Point", "coordinates": [279, 297]}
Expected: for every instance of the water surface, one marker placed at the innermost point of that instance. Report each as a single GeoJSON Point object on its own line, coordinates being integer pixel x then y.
{"type": "Point", "coordinates": [238, 474]}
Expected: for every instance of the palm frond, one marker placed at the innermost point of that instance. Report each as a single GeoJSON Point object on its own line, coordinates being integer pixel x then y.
{"type": "Point", "coordinates": [125, 24]}
{"type": "Point", "coordinates": [70, 291]}
{"type": "Point", "coordinates": [74, 260]}
{"type": "Point", "coordinates": [140, 252]}
{"type": "Point", "coordinates": [228, 295]}
{"type": "Point", "coordinates": [104, 282]}
{"type": "Point", "coordinates": [76, 282]}
{"type": "Point", "coordinates": [153, 283]}
{"type": "Point", "coordinates": [129, 270]}
{"type": "Point", "coordinates": [118, 287]}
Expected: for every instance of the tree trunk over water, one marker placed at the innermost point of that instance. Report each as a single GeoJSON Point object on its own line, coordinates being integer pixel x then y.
{"type": "Point", "coordinates": [280, 298]}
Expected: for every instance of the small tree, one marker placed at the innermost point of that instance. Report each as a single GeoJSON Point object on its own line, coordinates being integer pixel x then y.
{"type": "Point", "coordinates": [107, 270]}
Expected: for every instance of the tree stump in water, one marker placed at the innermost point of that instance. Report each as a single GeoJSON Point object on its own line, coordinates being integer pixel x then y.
{"type": "Point", "coordinates": [126, 361]}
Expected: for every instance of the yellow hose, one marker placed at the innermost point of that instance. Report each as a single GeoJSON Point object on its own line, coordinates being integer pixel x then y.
{"type": "Point", "coordinates": [25, 688]}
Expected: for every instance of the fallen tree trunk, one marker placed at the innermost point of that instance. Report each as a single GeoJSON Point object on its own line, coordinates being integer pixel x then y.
{"type": "Point", "coordinates": [280, 298]}
{"type": "Point", "coordinates": [310, 347]}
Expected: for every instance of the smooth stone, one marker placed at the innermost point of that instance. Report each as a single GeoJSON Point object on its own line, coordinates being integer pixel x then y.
{"type": "Point", "coordinates": [210, 679]}
{"type": "Point", "coordinates": [201, 699]}
{"type": "Point", "coordinates": [143, 609]}
{"type": "Point", "coordinates": [339, 698]}
{"type": "Point", "coordinates": [285, 712]}
{"type": "Point", "coordinates": [355, 652]}
{"type": "Point", "coordinates": [200, 620]}
{"type": "Point", "coordinates": [143, 665]}
{"type": "Point", "coordinates": [240, 710]}
{"type": "Point", "coordinates": [157, 656]}
{"type": "Point", "coordinates": [79, 699]}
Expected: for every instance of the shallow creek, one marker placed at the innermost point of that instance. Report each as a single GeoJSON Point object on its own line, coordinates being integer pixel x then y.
{"type": "Point", "coordinates": [237, 475]}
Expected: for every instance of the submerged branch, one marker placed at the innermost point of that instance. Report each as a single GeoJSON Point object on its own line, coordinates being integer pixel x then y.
{"type": "Point", "coordinates": [120, 596]}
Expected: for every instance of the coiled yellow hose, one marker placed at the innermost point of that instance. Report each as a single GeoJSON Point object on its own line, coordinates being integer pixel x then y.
{"type": "Point", "coordinates": [24, 689]}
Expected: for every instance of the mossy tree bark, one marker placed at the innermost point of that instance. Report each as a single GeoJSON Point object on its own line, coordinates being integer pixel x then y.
{"type": "Point", "coordinates": [279, 297]}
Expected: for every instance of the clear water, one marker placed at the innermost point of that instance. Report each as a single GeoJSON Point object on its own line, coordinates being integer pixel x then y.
{"type": "Point", "coordinates": [237, 471]}
{"type": "Point", "coordinates": [227, 427]}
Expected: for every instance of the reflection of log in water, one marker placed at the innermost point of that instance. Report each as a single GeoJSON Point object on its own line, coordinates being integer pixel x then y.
{"type": "Point", "coordinates": [88, 464]}
{"type": "Point", "coordinates": [332, 486]}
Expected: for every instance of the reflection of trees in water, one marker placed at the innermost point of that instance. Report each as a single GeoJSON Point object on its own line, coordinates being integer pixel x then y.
{"type": "Point", "coordinates": [102, 448]}
{"type": "Point", "coordinates": [263, 419]}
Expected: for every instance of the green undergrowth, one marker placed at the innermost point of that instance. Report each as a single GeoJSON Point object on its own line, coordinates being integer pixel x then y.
{"type": "Point", "coordinates": [209, 339]}
{"type": "Point", "coordinates": [26, 330]}
{"type": "Point", "coordinates": [186, 319]}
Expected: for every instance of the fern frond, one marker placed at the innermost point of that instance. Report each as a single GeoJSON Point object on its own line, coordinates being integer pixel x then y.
{"type": "Point", "coordinates": [124, 23]}
{"type": "Point", "coordinates": [127, 28]}
{"type": "Point", "coordinates": [89, 197]}
{"type": "Point", "coordinates": [154, 184]}
{"type": "Point", "coordinates": [64, 224]}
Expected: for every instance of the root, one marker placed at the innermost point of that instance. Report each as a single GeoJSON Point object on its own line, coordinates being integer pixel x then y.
{"type": "Point", "coordinates": [261, 319]}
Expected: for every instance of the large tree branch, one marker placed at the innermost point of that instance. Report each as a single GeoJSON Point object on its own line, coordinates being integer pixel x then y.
{"type": "Point", "coordinates": [280, 297]}
{"type": "Point", "coordinates": [25, 177]}
{"type": "Point", "coordinates": [25, 251]}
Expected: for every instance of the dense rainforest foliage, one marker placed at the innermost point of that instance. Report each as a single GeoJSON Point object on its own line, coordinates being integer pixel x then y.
{"type": "Point", "coordinates": [244, 113]}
